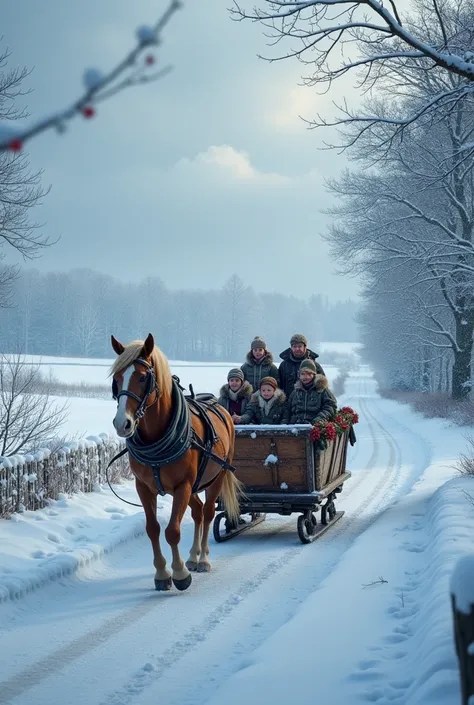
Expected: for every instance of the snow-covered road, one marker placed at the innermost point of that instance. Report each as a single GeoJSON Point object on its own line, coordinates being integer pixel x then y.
{"type": "Point", "coordinates": [105, 637]}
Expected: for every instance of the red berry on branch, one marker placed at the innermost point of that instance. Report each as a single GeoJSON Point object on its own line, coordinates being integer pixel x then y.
{"type": "Point", "coordinates": [15, 145]}
{"type": "Point", "coordinates": [88, 111]}
{"type": "Point", "coordinates": [150, 59]}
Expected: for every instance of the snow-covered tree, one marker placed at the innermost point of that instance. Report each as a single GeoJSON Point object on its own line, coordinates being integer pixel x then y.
{"type": "Point", "coordinates": [409, 221]}
{"type": "Point", "coordinates": [377, 41]}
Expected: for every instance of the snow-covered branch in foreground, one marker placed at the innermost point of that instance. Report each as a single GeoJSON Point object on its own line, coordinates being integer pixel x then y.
{"type": "Point", "coordinates": [370, 37]}
{"type": "Point", "coordinates": [98, 85]}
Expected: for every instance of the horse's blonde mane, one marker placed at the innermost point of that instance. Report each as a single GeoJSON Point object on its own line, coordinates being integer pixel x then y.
{"type": "Point", "coordinates": [158, 359]}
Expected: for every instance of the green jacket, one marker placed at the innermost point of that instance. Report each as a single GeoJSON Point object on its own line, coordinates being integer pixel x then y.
{"type": "Point", "coordinates": [310, 405]}
{"type": "Point", "coordinates": [288, 369]}
{"type": "Point", "coordinates": [274, 411]}
{"type": "Point", "coordinates": [235, 403]}
{"type": "Point", "coordinates": [255, 371]}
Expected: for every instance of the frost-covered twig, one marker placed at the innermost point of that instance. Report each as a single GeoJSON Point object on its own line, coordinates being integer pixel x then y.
{"type": "Point", "coordinates": [380, 581]}
{"type": "Point", "coordinates": [98, 86]}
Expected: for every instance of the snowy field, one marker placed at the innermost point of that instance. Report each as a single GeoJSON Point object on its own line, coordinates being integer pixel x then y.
{"type": "Point", "coordinates": [360, 616]}
{"type": "Point", "coordinates": [93, 416]}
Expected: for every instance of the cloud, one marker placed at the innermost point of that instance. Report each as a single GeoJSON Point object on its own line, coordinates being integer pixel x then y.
{"type": "Point", "coordinates": [224, 161]}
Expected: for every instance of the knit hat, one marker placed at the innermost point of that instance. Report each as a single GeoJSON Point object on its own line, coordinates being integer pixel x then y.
{"type": "Point", "coordinates": [271, 381]}
{"type": "Point", "coordinates": [258, 342]}
{"type": "Point", "coordinates": [309, 366]}
{"type": "Point", "coordinates": [236, 373]}
{"type": "Point", "coordinates": [298, 339]}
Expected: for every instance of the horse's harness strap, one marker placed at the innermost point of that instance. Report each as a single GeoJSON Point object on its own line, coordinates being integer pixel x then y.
{"type": "Point", "coordinates": [180, 436]}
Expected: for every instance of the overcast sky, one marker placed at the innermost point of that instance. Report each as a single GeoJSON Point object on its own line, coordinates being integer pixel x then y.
{"type": "Point", "coordinates": [205, 173]}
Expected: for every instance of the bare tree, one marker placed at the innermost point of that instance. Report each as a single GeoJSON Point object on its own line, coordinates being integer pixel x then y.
{"type": "Point", "coordinates": [20, 189]}
{"type": "Point", "coordinates": [234, 296]}
{"type": "Point", "coordinates": [28, 420]}
{"type": "Point", "coordinates": [87, 328]}
{"type": "Point", "coordinates": [377, 41]}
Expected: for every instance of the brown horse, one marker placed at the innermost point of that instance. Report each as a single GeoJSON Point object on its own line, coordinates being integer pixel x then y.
{"type": "Point", "coordinates": [158, 424]}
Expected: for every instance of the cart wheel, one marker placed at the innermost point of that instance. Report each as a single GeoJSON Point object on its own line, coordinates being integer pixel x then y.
{"type": "Point", "coordinates": [306, 526]}
{"type": "Point", "coordinates": [216, 527]}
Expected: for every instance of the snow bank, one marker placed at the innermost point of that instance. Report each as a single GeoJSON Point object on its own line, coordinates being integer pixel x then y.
{"type": "Point", "coordinates": [47, 544]}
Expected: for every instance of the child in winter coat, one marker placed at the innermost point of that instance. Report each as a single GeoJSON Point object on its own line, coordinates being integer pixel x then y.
{"type": "Point", "coordinates": [259, 363]}
{"type": "Point", "coordinates": [311, 400]}
{"type": "Point", "coordinates": [268, 405]}
{"type": "Point", "coordinates": [235, 395]}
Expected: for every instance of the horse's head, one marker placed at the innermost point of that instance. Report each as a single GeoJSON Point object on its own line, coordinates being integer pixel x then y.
{"type": "Point", "coordinates": [134, 384]}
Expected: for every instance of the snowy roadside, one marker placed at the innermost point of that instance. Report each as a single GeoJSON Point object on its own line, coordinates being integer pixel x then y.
{"type": "Point", "coordinates": [47, 544]}
{"type": "Point", "coordinates": [401, 649]}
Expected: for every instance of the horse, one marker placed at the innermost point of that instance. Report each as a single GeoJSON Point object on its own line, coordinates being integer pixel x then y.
{"type": "Point", "coordinates": [178, 446]}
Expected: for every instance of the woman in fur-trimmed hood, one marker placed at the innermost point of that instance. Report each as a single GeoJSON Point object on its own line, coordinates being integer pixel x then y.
{"type": "Point", "coordinates": [259, 363]}
{"type": "Point", "coordinates": [235, 395]}
{"type": "Point", "coordinates": [311, 400]}
{"type": "Point", "coordinates": [268, 405]}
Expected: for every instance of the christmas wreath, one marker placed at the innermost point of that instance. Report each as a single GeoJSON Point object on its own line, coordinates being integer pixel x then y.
{"type": "Point", "coordinates": [325, 431]}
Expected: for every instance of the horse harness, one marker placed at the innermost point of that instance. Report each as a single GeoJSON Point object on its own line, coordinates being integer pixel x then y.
{"type": "Point", "coordinates": [180, 436]}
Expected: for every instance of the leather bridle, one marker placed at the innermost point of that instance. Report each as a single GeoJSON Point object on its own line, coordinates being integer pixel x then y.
{"type": "Point", "coordinates": [150, 387]}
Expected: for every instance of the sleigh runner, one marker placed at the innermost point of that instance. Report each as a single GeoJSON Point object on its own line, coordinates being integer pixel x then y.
{"type": "Point", "coordinates": [284, 472]}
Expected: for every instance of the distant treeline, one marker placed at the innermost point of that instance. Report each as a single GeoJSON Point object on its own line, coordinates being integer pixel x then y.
{"type": "Point", "coordinates": [74, 313]}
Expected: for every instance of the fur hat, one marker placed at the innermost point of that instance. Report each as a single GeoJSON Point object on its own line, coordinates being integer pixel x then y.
{"type": "Point", "coordinates": [258, 342]}
{"type": "Point", "coordinates": [236, 373]}
{"type": "Point", "coordinates": [298, 339]}
{"type": "Point", "coordinates": [308, 366]}
{"type": "Point", "coordinates": [271, 381]}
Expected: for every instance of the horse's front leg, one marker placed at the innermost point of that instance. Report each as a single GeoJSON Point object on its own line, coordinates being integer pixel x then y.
{"type": "Point", "coordinates": [181, 496]}
{"type": "Point", "coordinates": [212, 493]}
{"type": "Point", "coordinates": [148, 500]}
{"type": "Point", "coordinates": [196, 513]}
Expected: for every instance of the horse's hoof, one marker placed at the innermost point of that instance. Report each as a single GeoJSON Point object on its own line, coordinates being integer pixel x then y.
{"type": "Point", "coordinates": [163, 585]}
{"type": "Point", "coordinates": [204, 567]}
{"type": "Point", "coordinates": [192, 565]}
{"type": "Point", "coordinates": [184, 583]}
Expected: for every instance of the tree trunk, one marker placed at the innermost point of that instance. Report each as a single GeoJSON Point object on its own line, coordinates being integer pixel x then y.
{"type": "Point", "coordinates": [426, 371]}
{"type": "Point", "coordinates": [461, 372]}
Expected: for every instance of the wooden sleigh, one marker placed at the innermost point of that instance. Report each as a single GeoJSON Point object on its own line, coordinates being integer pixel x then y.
{"type": "Point", "coordinates": [285, 473]}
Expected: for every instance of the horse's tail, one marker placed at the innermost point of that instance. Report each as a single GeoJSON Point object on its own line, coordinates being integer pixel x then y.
{"type": "Point", "coordinates": [232, 489]}
{"type": "Point", "coordinates": [231, 492]}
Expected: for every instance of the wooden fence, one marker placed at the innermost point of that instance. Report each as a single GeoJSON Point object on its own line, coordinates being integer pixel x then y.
{"type": "Point", "coordinates": [29, 481]}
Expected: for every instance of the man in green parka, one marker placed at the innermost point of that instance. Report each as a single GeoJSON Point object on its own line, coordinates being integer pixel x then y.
{"type": "Point", "coordinates": [292, 358]}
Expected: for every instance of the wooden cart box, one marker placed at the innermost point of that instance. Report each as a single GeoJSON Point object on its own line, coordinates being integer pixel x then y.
{"type": "Point", "coordinates": [283, 459]}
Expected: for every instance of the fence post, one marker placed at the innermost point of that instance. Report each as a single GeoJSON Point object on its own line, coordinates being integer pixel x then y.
{"type": "Point", "coordinates": [462, 602]}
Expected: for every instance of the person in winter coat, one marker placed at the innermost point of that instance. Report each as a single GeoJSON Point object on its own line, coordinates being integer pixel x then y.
{"type": "Point", "coordinates": [259, 363]}
{"type": "Point", "coordinates": [235, 395]}
{"type": "Point", "coordinates": [311, 399]}
{"type": "Point", "coordinates": [268, 405]}
{"type": "Point", "coordinates": [292, 358]}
